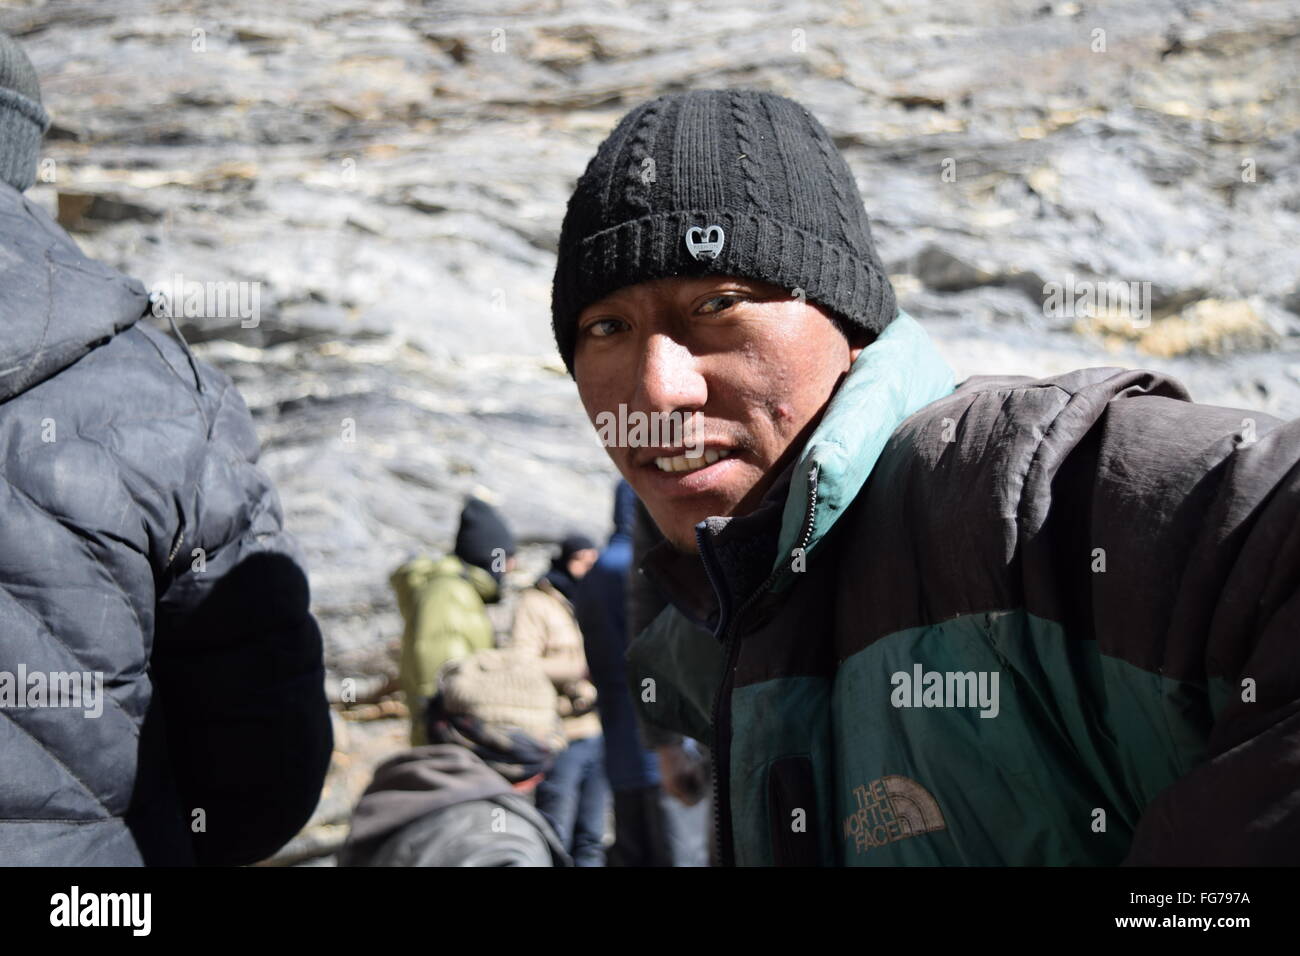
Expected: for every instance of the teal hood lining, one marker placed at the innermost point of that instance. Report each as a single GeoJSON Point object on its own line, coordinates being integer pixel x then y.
{"type": "Point", "coordinates": [896, 375]}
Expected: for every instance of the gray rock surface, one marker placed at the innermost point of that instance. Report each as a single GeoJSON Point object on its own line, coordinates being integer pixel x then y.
{"type": "Point", "coordinates": [389, 179]}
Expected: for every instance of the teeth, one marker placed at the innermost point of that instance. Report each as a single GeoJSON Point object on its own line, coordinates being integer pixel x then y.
{"type": "Point", "coordinates": [682, 463]}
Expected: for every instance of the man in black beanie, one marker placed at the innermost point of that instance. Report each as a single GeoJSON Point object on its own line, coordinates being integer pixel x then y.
{"type": "Point", "coordinates": [484, 539]}
{"type": "Point", "coordinates": [144, 555]}
{"type": "Point", "coordinates": [1013, 621]}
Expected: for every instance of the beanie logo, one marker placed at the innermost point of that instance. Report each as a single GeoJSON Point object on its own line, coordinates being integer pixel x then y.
{"type": "Point", "coordinates": [705, 243]}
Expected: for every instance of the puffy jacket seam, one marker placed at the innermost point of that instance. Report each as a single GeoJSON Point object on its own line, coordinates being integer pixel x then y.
{"type": "Point", "coordinates": [81, 434]}
{"type": "Point", "coordinates": [189, 387]}
{"type": "Point", "coordinates": [71, 653]}
{"type": "Point", "coordinates": [55, 757]}
{"type": "Point", "coordinates": [45, 327]}
{"type": "Point", "coordinates": [41, 624]}
{"type": "Point", "coordinates": [220, 407]}
{"type": "Point", "coordinates": [64, 522]}
{"type": "Point", "coordinates": [76, 266]}
{"type": "Point", "coordinates": [236, 459]}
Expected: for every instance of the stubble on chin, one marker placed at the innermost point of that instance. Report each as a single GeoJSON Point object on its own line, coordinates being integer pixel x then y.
{"type": "Point", "coordinates": [687, 545]}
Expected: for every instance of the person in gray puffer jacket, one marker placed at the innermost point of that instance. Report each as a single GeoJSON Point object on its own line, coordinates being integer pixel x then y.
{"type": "Point", "coordinates": [161, 683]}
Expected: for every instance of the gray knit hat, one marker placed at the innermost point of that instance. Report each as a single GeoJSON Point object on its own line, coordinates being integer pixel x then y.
{"type": "Point", "coordinates": [735, 182]}
{"type": "Point", "coordinates": [503, 688]}
{"type": "Point", "coordinates": [23, 120]}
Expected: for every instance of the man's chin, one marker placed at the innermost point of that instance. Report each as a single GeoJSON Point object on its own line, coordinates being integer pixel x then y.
{"type": "Point", "coordinates": [685, 543]}
{"type": "Point", "coordinates": [679, 527]}
{"type": "Point", "coordinates": [679, 531]}
{"type": "Point", "coordinates": [676, 518]}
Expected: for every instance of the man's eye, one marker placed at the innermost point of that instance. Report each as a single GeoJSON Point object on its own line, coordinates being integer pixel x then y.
{"type": "Point", "coordinates": [602, 328]}
{"type": "Point", "coordinates": [726, 300]}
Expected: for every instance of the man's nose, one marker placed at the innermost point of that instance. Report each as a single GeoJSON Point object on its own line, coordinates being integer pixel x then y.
{"type": "Point", "coordinates": [669, 377]}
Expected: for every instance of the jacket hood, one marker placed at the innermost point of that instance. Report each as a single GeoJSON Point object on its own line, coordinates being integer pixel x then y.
{"type": "Point", "coordinates": [56, 304]}
{"type": "Point", "coordinates": [420, 781]}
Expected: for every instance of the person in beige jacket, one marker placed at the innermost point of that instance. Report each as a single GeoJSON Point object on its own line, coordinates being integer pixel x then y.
{"type": "Point", "coordinates": [575, 795]}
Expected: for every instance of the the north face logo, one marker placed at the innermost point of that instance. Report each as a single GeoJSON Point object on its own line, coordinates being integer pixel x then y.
{"type": "Point", "coordinates": [891, 808]}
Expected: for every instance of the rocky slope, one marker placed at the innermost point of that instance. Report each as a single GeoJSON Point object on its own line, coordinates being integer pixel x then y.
{"type": "Point", "coordinates": [389, 178]}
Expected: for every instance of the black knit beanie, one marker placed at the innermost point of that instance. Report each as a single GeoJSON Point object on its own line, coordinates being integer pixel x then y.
{"type": "Point", "coordinates": [733, 182]}
{"type": "Point", "coordinates": [481, 533]}
{"type": "Point", "coordinates": [571, 544]}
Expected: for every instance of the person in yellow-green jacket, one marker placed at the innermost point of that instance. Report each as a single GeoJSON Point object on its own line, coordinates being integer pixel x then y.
{"type": "Point", "coordinates": [444, 604]}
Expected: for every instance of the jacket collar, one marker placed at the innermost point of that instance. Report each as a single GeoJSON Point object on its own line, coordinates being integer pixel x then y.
{"type": "Point", "coordinates": [899, 373]}
{"type": "Point", "coordinates": [744, 548]}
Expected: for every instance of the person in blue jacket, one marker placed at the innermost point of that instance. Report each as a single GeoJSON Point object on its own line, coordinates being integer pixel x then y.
{"type": "Point", "coordinates": [645, 834]}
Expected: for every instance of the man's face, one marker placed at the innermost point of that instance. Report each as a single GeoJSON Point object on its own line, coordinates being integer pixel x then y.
{"type": "Point", "coordinates": [580, 562]}
{"type": "Point", "coordinates": [757, 365]}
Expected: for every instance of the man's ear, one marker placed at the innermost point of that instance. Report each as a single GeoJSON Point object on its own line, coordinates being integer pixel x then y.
{"type": "Point", "coordinates": [859, 338]}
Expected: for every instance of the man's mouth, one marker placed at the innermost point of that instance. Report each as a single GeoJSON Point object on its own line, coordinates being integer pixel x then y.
{"type": "Point", "coordinates": [673, 474]}
{"type": "Point", "coordinates": [683, 463]}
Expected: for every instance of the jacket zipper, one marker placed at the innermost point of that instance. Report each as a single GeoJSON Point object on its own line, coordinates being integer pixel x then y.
{"type": "Point", "coordinates": [706, 556]}
{"type": "Point", "coordinates": [729, 630]}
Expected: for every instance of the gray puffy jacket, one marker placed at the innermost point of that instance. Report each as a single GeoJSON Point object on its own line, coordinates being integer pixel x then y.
{"type": "Point", "coordinates": [140, 547]}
